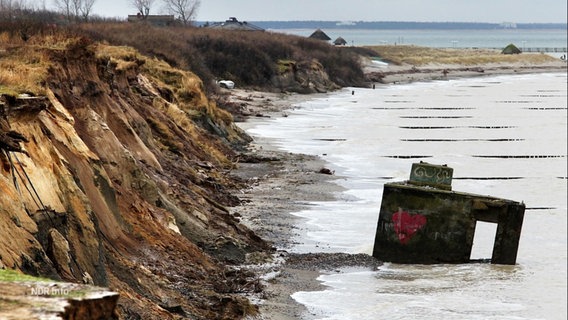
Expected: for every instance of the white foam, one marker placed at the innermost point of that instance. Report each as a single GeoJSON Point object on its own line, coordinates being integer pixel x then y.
{"type": "Point", "coordinates": [362, 133]}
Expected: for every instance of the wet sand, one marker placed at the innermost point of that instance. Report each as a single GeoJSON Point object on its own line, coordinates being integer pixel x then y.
{"type": "Point", "coordinates": [279, 183]}
{"type": "Point", "coordinates": [282, 182]}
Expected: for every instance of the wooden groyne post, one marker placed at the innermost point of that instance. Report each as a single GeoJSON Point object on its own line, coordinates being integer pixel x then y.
{"type": "Point", "coordinates": [423, 221]}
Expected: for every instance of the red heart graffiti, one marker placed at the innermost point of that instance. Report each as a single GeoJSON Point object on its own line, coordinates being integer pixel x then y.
{"type": "Point", "coordinates": [406, 225]}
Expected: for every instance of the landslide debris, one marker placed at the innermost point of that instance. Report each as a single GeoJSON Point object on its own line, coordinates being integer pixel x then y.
{"type": "Point", "coordinates": [115, 171]}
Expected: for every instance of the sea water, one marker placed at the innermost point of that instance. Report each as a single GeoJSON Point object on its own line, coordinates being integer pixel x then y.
{"type": "Point", "coordinates": [449, 38]}
{"type": "Point", "coordinates": [504, 136]}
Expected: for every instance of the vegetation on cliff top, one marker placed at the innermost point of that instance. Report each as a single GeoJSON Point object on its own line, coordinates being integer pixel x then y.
{"type": "Point", "coordinates": [250, 59]}
{"type": "Point", "coordinates": [130, 161]}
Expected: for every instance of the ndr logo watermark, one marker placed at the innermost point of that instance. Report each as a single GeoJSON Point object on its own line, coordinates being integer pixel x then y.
{"type": "Point", "coordinates": [49, 291]}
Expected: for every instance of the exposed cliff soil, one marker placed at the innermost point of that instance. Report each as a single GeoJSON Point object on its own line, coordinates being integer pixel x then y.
{"type": "Point", "coordinates": [263, 60]}
{"type": "Point", "coordinates": [123, 183]}
{"type": "Point", "coordinates": [117, 170]}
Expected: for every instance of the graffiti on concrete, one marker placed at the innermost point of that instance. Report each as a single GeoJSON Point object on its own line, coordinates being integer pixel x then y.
{"type": "Point", "coordinates": [433, 175]}
{"type": "Point", "coordinates": [423, 221]}
{"type": "Point", "coordinates": [407, 224]}
{"type": "Point", "coordinates": [436, 174]}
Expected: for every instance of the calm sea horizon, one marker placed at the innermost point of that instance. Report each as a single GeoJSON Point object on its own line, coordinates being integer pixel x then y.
{"type": "Point", "coordinates": [464, 38]}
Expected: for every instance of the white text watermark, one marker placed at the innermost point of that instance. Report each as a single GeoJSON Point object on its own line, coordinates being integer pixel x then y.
{"type": "Point", "coordinates": [49, 291]}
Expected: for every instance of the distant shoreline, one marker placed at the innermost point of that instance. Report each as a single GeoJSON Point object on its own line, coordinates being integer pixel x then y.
{"type": "Point", "coordinates": [400, 25]}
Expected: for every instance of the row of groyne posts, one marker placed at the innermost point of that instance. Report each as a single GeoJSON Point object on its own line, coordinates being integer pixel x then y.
{"type": "Point", "coordinates": [540, 49]}
{"type": "Point", "coordinates": [544, 50]}
{"type": "Point", "coordinates": [422, 221]}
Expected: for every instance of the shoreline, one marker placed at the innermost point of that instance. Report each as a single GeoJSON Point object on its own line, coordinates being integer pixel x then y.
{"type": "Point", "coordinates": [407, 74]}
{"type": "Point", "coordinates": [279, 183]}
{"type": "Point", "coordinates": [282, 183]}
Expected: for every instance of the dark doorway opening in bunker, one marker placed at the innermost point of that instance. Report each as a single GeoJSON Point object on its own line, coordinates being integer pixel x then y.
{"type": "Point", "coordinates": [483, 241]}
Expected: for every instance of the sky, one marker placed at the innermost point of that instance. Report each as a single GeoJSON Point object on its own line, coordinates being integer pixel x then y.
{"type": "Point", "coordinates": [493, 11]}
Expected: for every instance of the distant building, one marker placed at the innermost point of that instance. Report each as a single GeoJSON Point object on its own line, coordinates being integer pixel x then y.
{"type": "Point", "coordinates": [345, 23]}
{"type": "Point", "coordinates": [340, 42]}
{"type": "Point", "coordinates": [233, 24]}
{"type": "Point", "coordinates": [508, 25]}
{"type": "Point", "coordinates": [511, 49]}
{"type": "Point", "coordinates": [157, 20]}
{"type": "Point", "coordinates": [320, 35]}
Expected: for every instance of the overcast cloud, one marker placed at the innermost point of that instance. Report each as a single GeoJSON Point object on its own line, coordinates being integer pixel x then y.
{"type": "Point", "coordinates": [519, 11]}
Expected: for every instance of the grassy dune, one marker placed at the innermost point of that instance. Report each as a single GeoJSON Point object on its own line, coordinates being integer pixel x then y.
{"type": "Point", "coordinates": [422, 56]}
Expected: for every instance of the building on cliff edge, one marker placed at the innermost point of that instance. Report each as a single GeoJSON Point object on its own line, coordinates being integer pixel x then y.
{"type": "Point", "coordinates": [233, 24]}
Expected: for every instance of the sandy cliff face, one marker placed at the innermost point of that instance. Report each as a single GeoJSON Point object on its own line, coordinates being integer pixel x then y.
{"type": "Point", "coordinates": [123, 184]}
{"type": "Point", "coordinates": [304, 77]}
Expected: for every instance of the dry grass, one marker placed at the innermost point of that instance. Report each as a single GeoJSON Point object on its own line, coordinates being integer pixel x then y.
{"type": "Point", "coordinates": [187, 89]}
{"type": "Point", "coordinates": [179, 94]}
{"type": "Point", "coordinates": [420, 56]}
{"type": "Point", "coordinates": [24, 64]}
{"type": "Point", "coordinates": [22, 71]}
{"type": "Point", "coordinates": [24, 68]}
{"type": "Point", "coordinates": [250, 59]}
{"type": "Point", "coordinates": [123, 57]}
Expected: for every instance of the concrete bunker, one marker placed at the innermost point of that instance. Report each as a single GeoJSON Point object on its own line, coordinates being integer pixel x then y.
{"type": "Point", "coordinates": [423, 221]}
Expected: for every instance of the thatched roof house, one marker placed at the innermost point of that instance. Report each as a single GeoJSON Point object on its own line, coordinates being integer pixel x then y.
{"type": "Point", "coordinates": [320, 35]}
{"type": "Point", "coordinates": [511, 49]}
{"type": "Point", "coordinates": [340, 42]}
{"type": "Point", "coordinates": [233, 24]}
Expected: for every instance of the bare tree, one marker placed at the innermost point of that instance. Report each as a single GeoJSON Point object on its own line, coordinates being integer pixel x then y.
{"type": "Point", "coordinates": [185, 10]}
{"type": "Point", "coordinates": [8, 7]}
{"type": "Point", "coordinates": [14, 5]}
{"type": "Point", "coordinates": [86, 8]}
{"type": "Point", "coordinates": [66, 7]}
{"type": "Point", "coordinates": [74, 9]}
{"type": "Point", "coordinates": [143, 6]}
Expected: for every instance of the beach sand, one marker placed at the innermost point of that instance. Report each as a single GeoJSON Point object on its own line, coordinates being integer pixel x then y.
{"type": "Point", "coordinates": [389, 74]}
{"type": "Point", "coordinates": [282, 182]}
{"type": "Point", "coordinates": [279, 183]}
